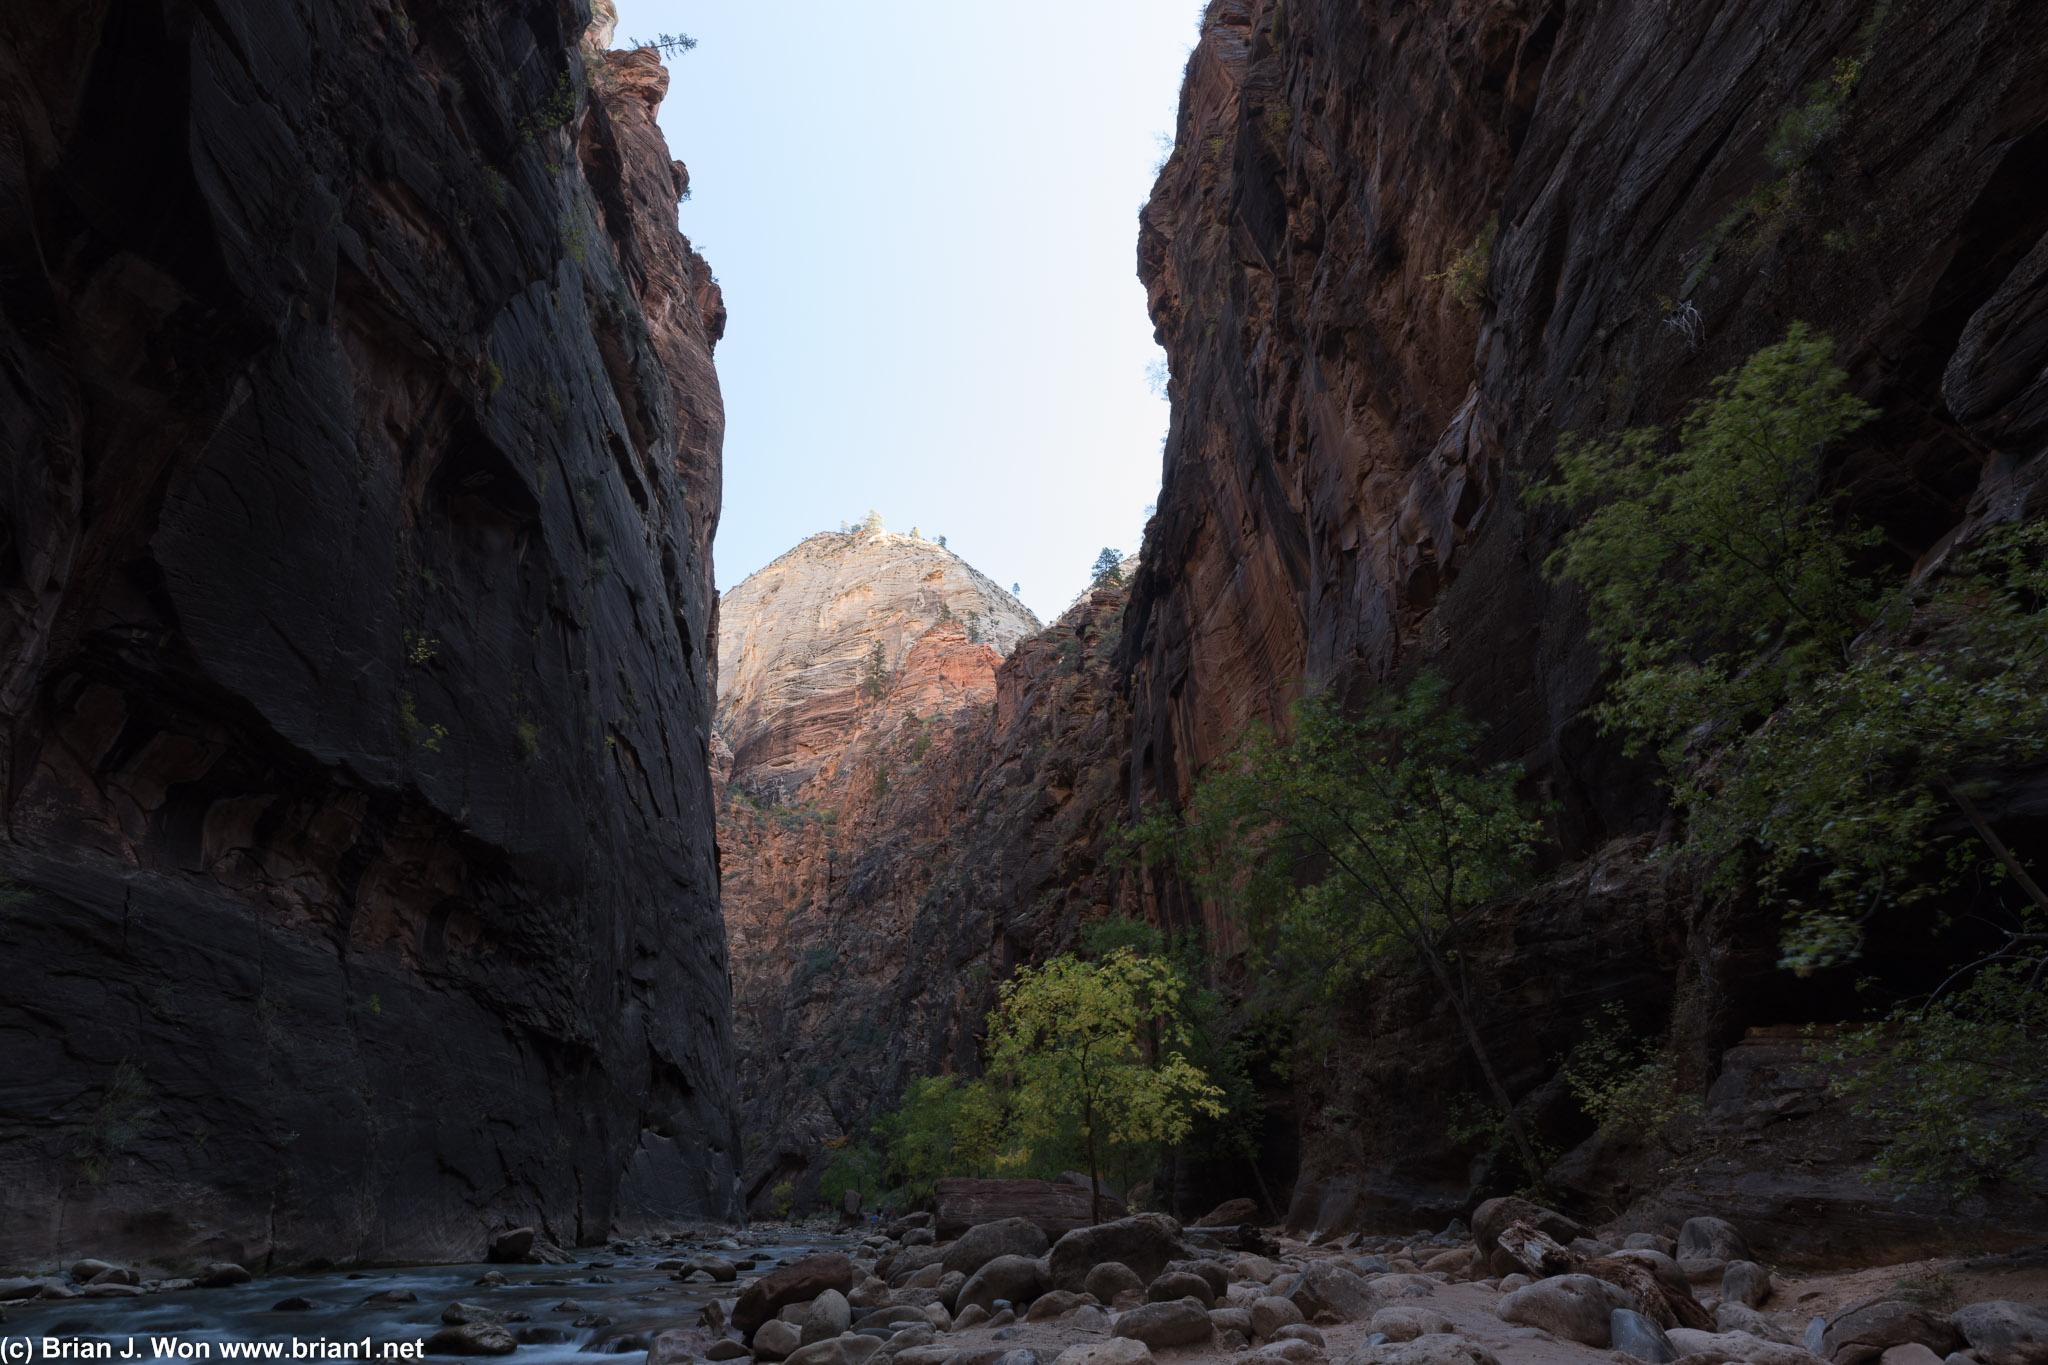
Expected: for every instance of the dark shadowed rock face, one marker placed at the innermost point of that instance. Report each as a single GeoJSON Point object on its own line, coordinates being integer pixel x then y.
{"type": "Point", "coordinates": [356, 638]}
{"type": "Point", "coordinates": [1341, 478]}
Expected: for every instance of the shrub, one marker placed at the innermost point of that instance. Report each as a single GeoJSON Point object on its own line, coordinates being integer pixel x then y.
{"type": "Point", "coordinates": [1465, 277]}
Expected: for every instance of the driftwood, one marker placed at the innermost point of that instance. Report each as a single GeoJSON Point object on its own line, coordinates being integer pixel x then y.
{"type": "Point", "coordinates": [1537, 1253]}
{"type": "Point", "coordinates": [1055, 1207]}
{"type": "Point", "coordinates": [1662, 1304]}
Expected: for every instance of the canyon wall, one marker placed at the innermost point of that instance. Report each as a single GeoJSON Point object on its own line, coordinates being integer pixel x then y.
{"type": "Point", "coordinates": [356, 638]}
{"type": "Point", "coordinates": [949, 827]}
{"type": "Point", "coordinates": [1399, 248]}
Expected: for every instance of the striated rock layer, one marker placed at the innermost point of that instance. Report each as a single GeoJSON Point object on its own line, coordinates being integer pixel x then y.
{"type": "Point", "coordinates": [950, 829]}
{"type": "Point", "coordinates": [814, 632]}
{"type": "Point", "coordinates": [356, 638]}
{"type": "Point", "coordinates": [1631, 199]}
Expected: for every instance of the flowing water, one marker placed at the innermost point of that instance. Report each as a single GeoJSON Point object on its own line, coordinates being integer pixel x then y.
{"type": "Point", "coordinates": [608, 1302]}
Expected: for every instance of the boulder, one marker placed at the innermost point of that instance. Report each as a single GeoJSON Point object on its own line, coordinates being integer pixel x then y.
{"type": "Point", "coordinates": [1635, 1335]}
{"type": "Point", "coordinates": [909, 1337]}
{"type": "Point", "coordinates": [1435, 1349]}
{"type": "Point", "coordinates": [871, 1292]}
{"type": "Point", "coordinates": [1493, 1215]}
{"type": "Point", "coordinates": [1575, 1307]}
{"type": "Point", "coordinates": [1745, 1282]}
{"type": "Point", "coordinates": [1510, 1283]}
{"type": "Point", "coordinates": [1454, 1263]}
{"type": "Point", "coordinates": [717, 1267]}
{"type": "Point", "coordinates": [1052, 1307]}
{"type": "Point", "coordinates": [1115, 1351]}
{"type": "Point", "coordinates": [1329, 1288]}
{"type": "Point", "coordinates": [1912, 1353]}
{"type": "Point", "coordinates": [392, 1296]}
{"type": "Point", "coordinates": [798, 1282]}
{"type": "Point", "coordinates": [1586, 1248]}
{"type": "Point", "coordinates": [981, 1244]}
{"type": "Point", "coordinates": [725, 1348]}
{"type": "Point", "coordinates": [837, 1351]}
{"type": "Point", "coordinates": [1238, 1320]}
{"type": "Point", "coordinates": [970, 1317]}
{"type": "Point", "coordinates": [1711, 1239]}
{"type": "Point", "coordinates": [1181, 1323]}
{"type": "Point", "coordinates": [775, 1340]}
{"type": "Point", "coordinates": [678, 1345]}
{"type": "Point", "coordinates": [1270, 1314]}
{"type": "Point", "coordinates": [1144, 1242]}
{"type": "Point", "coordinates": [472, 1339]}
{"type": "Point", "coordinates": [954, 1282]}
{"type": "Point", "coordinates": [222, 1275]}
{"type": "Point", "coordinates": [1292, 1350]}
{"type": "Point", "coordinates": [1740, 1317]}
{"type": "Point", "coordinates": [1865, 1331]}
{"type": "Point", "coordinates": [1214, 1272]}
{"type": "Point", "coordinates": [1301, 1331]}
{"type": "Point", "coordinates": [2004, 1332]}
{"type": "Point", "coordinates": [1181, 1284]}
{"type": "Point", "coordinates": [509, 1247]}
{"type": "Point", "coordinates": [1055, 1208]}
{"type": "Point", "coordinates": [1736, 1346]}
{"type": "Point", "coordinates": [458, 1313]}
{"type": "Point", "coordinates": [1259, 1269]}
{"type": "Point", "coordinates": [905, 1266]}
{"type": "Point", "coordinates": [1229, 1214]}
{"type": "Point", "coordinates": [830, 1315]}
{"type": "Point", "coordinates": [1405, 1322]}
{"type": "Point", "coordinates": [937, 1354]}
{"type": "Point", "coordinates": [1014, 1278]}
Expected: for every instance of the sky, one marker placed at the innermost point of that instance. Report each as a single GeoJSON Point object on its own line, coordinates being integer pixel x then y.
{"type": "Point", "coordinates": [923, 215]}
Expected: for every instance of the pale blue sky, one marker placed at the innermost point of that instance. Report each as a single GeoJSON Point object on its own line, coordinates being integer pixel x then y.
{"type": "Point", "coordinates": [924, 217]}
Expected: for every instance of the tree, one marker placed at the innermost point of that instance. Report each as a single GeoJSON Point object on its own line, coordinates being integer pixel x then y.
{"type": "Point", "coordinates": [1354, 840]}
{"type": "Point", "coordinates": [1070, 1038]}
{"type": "Point", "coordinates": [1106, 570]}
{"type": "Point", "coordinates": [1828, 735]}
{"type": "Point", "coordinates": [871, 522]}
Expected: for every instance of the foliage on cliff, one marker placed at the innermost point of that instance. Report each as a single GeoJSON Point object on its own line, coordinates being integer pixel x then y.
{"type": "Point", "coordinates": [1822, 728]}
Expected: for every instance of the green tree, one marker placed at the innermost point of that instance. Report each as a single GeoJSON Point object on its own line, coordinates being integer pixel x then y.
{"type": "Point", "coordinates": [1828, 735]}
{"type": "Point", "coordinates": [1354, 840]}
{"type": "Point", "coordinates": [1071, 1039]}
{"type": "Point", "coordinates": [944, 1126]}
{"type": "Point", "coordinates": [1106, 568]}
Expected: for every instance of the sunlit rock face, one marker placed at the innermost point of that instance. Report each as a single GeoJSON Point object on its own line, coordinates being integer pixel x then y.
{"type": "Point", "coordinates": [899, 830]}
{"type": "Point", "coordinates": [356, 639]}
{"type": "Point", "coordinates": [804, 639]}
{"type": "Point", "coordinates": [1396, 251]}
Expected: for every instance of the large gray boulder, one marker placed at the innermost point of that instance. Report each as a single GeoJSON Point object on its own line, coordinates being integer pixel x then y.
{"type": "Point", "coordinates": [1711, 1239]}
{"type": "Point", "coordinates": [1405, 1322]}
{"type": "Point", "coordinates": [1145, 1242]}
{"type": "Point", "coordinates": [1740, 1317]}
{"type": "Point", "coordinates": [1181, 1284]}
{"type": "Point", "coordinates": [1269, 1314]}
{"type": "Point", "coordinates": [1575, 1307]}
{"type": "Point", "coordinates": [1111, 1281]}
{"type": "Point", "coordinates": [1635, 1335]}
{"type": "Point", "coordinates": [1745, 1282]}
{"type": "Point", "coordinates": [837, 1351]}
{"type": "Point", "coordinates": [1738, 1346]}
{"type": "Point", "coordinates": [830, 1315]}
{"type": "Point", "coordinates": [1182, 1323]}
{"type": "Point", "coordinates": [1006, 1237]}
{"type": "Point", "coordinates": [1865, 1331]}
{"type": "Point", "coordinates": [776, 1339]}
{"type": "Point", "coordinates": [1343, 1294]}
{"type": "Point", "coordinates": [1015, 1278]}
{"type": "Point", "coordinates": [2004, 1332]}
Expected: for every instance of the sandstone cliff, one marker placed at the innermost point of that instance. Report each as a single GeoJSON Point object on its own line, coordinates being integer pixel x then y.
{"type": "Point", "coordinates": [948, 829]}
{"type": "Point", "coordinates": [356, 660]}
{"type": "Point", "coordinates": [806, 637]}
{"type": "Point", "coordinates": [1397, 249]}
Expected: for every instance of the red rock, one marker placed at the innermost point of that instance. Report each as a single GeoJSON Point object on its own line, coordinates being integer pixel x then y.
{"type": "Point", "coordinates": [1055, 1207]}
{"type": "Point", "coordinates": [798, 1283]}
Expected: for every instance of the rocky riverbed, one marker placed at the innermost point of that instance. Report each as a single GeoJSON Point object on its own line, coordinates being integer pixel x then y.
{"type": "Point", "coordinates": [614, 1300]}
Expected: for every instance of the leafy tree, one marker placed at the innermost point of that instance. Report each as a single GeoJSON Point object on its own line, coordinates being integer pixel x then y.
{"type": "Point", "coordinates": [1071, 1038]}
{"type": "Point", "coordinates": [1828, 733]}
{"type": "Point", "coordinates": [1106, 570]}
{"type": "Point", "coordinates": [1356, 840]}
{"type": "Point", "coordinates": [871, 522]}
